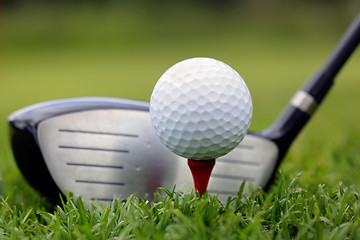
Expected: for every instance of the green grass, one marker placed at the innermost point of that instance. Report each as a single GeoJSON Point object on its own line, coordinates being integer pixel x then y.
{"type": "Point", "coordinates": [121, 51]}
{"type": "Point", "coordinates": [289, 211]}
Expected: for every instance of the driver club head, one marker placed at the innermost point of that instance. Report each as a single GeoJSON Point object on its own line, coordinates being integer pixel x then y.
{"type": "Point", "coordinates": [102, 148]}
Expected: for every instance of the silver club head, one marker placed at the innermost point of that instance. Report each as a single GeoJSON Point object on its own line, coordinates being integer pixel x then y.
{"type": "Point", "coordinates": [100, 152]}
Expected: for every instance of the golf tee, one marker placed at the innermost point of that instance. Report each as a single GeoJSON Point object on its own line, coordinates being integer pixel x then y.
{"type": "Point", "coordinates": [201, 171]}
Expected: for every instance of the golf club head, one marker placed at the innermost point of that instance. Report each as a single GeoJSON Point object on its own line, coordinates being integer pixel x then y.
{"type": "Point", "coordinates": [102, 148]}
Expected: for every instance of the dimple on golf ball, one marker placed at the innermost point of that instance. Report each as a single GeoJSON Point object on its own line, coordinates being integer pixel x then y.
{"type": "Point", "coordinates": [201, 108]}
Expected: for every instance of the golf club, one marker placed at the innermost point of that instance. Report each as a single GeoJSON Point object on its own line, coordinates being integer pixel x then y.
{"type": "Point", "coordinates": [102, 148]}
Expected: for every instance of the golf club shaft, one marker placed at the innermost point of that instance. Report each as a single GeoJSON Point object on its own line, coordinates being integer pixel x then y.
{"type": "Point", "coordinates": [322, 80]}
{"type": "Point", "coordinates": [305, 101]}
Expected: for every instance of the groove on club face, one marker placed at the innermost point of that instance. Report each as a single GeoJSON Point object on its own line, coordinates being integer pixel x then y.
{"type": "Point", "coordinates": [93, 149]}
{"type": "Point", "coordinates": [99, 182]}
{"type": "Point", "coordinates": [93, 165]}
{"type": "Point", "coordinates": [98, 133]}
{"type": "Point", "coordinates": [109, 200]}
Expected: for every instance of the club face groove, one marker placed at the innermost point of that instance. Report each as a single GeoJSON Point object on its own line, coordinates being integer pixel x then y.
{"type": "Point", "coordinates": [99, 133]}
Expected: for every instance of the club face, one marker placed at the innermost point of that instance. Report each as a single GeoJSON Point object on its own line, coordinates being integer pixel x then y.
{"type": "Point", "coordinates": [102, 153]}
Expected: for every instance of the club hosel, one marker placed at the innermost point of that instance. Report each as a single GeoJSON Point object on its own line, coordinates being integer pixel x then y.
{"type": "Point", "coordinates": [286, 127]}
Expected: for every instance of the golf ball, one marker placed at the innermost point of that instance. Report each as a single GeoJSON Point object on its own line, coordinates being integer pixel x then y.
{"type": "Point", "coordinates": [201, 108]}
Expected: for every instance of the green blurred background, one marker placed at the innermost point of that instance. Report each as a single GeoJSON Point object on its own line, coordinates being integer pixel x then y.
{"type": "Point", "coordinates": [120, 48]}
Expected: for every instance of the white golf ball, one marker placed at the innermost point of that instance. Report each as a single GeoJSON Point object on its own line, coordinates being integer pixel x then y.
{"type": "Point", "coordinates": [201, 108]}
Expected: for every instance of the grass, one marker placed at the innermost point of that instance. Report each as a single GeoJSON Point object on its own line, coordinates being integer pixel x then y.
{"type": "Point", "coordinates": [287, 212]}
{"type": "Point", "coordinates": [121, 51]}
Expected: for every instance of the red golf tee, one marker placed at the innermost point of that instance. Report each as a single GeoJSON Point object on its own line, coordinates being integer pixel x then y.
{"type": "Point", "coordinates": [201, 171]}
